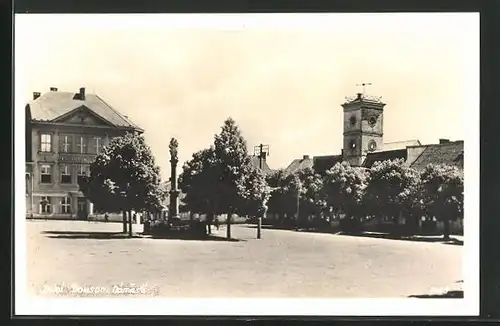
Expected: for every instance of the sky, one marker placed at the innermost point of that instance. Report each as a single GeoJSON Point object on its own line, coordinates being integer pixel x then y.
{"type": "Point", "coordinates": [282, 78]}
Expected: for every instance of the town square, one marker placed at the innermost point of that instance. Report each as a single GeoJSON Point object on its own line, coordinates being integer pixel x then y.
{"type": "Point", "coordinates": [282, 264]}
{"type": "Point", "coordinates": [245, 161]}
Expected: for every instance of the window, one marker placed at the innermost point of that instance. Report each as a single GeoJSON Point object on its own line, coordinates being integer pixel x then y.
{"type": "Point", "coordinates": [66, 144]}
{"type": "Point", "coordinates": [46, 173]}
{"type": "Point", "coordinates": [96, 145]}
{"type": "Point", "coordinates": [46, 143]}
{"type": "Point", "coordinates": [66, 205]}
{"type": "Point", "coordinates": [45, 205]}
{"type": "Point", "coordinates": [81, 145]}
{"type": "Point", "coordinates": [65, 174]}
{"type": "Point", "coordinates": [82, 171]}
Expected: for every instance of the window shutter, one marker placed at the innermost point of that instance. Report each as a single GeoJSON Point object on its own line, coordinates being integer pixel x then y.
{"type": "Point", "coordinates": [61, 143]}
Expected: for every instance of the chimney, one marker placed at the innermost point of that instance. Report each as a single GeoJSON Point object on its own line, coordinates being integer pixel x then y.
{"type": "Point", "coordinates": [305, 157]}
{"type": "Point", "coordinates": [53, 89]}
{"type": "Point", "coordinates": [443, 141]}
{"type": "Point", "coordinates": [82, 93]}
{"type": "Point", "coordinates": [36, 95]}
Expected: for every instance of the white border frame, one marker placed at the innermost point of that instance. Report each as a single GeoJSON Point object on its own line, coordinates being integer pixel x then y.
{"type": "Point", "coordinates": [24, 305]}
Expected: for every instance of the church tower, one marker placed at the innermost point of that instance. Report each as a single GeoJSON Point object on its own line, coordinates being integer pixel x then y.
{"type": "Point", "coordinates": [363, 127]}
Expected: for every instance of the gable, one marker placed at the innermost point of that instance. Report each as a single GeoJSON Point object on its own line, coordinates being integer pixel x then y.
{"type": "Point", "coordinates": [254, 160]}
{"type": "Point", "coordinates": [82, 116]}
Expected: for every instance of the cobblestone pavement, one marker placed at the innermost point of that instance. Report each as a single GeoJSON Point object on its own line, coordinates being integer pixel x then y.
{"type": "Point", "coordinates": [72, 257]}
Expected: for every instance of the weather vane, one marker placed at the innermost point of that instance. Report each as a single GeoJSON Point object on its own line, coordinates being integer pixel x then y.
{"type": "Point", "coordinates": [364, 86]}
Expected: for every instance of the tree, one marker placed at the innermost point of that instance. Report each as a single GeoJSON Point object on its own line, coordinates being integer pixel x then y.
{"type": "Point", "coordinates": [312, 195]}
{"type": "Point", "coordinates": [442, 193]}
{"type": "Point", "coordinates": [345, 187]}
{"type": "Point", "coordinates": [278, 201]}
{"type": "Point", "coordinates": [197, 181]}
{"type": "Point", "coordinates": [392, 189]}
{"type": "Point", "coordinates": [124, 177]}
{"type": "Point", "coordinates": [256, 193]}
{"type": "Point", "coordinates": [233, 164]}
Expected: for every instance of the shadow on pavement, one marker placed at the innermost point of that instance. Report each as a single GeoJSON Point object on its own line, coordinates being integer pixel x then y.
{"type": "Point", "coordinates": [193, 238]}
{"type": "Point", "coordinates": [451, 241]}
{"type": "Point", "coordinates": [287, 228]}
{"type": "Point", "coordinates": [447, 295]}
{"type": "Point", "coordinates": [439, 239]}
{"type": "Point", "coordinates": [121, 235]}
{"type": "Point", "coordinates": [88, 235]}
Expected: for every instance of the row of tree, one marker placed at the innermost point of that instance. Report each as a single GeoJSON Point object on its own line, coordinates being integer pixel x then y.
{"type": "Point", "coordinates": [388, 189]}
{"type": "Point", "coordinates": [222, 180]}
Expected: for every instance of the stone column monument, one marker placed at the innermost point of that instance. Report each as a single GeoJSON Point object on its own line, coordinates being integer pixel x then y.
{"type": "Point", "coordinates": [174, 192]}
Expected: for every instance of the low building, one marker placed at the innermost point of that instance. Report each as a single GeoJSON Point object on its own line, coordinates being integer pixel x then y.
{"type": "Point", "coordinates": [64, 133]}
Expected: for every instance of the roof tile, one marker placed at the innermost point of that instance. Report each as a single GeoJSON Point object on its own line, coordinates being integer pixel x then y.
{"type": "Point", "coordinates": [450, 153]}
{"type": "Point", "coordinates": [51, 105]}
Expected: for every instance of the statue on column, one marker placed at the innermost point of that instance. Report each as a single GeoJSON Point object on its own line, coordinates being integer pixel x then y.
{"type": "Point", "coordinates": [174, 192]}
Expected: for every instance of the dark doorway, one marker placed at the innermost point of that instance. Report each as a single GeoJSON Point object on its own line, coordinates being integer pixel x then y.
{"type": "Point", "coordinates": [82, 209]}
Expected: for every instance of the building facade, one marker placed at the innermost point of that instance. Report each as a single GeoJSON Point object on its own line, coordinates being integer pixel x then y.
{"type": "Point", "coordinates": [363, 142]}
{"type": "Point", "coordinates": [64, 133]}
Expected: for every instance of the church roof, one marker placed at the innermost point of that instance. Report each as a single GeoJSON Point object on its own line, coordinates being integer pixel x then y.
{"type": "Point", "coordinates": [381, 156]}
{"type": "Point", "coordinates": [399, 145]}
{"type": "Point", "coordinates": [54, 104]}
{"type": "Point", "coordinates": [265, 168]}
{"type": "Point", "coordinates": [450, 153]}
{"type": "Point", "coordinates": [323, 163]}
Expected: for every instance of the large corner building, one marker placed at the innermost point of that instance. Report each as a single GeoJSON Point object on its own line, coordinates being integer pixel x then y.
{"type": "Point", "coordinates": [64, 133]}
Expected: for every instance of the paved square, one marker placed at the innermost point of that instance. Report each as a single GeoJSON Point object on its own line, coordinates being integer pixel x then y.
{"type": "Point", "coordinates": [281, 264]}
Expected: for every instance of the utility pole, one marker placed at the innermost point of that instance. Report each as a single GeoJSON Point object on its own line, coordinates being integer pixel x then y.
{"type": "Point", "coordinates": [299, 185]}
{"type": "Point", "coordinates": [261, 151]}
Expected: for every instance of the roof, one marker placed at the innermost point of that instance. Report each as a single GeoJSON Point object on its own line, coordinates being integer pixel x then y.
{"type": "Point", "coordinates": [299, 164]}
{"type": "Point", "coordinates": [324, 163]}
{"type": "Point", "coordinates": [400, 145]}
{"type": "Point", "coordinates": [364, 98]}
{"type": "Point", "coordinates": [265, 168]}
{"type": "Point", "coordinates": [381, 156]}
{"type": "Point", "coordinates": [54, 104]}
{"type": "Point", "coordinates": [450, 153]}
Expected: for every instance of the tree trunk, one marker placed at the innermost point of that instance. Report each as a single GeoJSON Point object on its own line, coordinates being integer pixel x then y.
{"type": "Point", "coordinates": [228, 223]}
{"type": "Point", "coordinates": [130, 223]}
{"type": "Point", "coordinates": [446, 229]}
{"type": "Point", "coordinates": [124, 215]}
{"type": "Point", "coordinates": [208, 222]}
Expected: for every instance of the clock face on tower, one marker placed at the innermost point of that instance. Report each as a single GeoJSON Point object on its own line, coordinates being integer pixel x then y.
{"type": "Point", "coordinates": [372, 145]}
{"type": "Point", "coordinates": [372, 121]}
